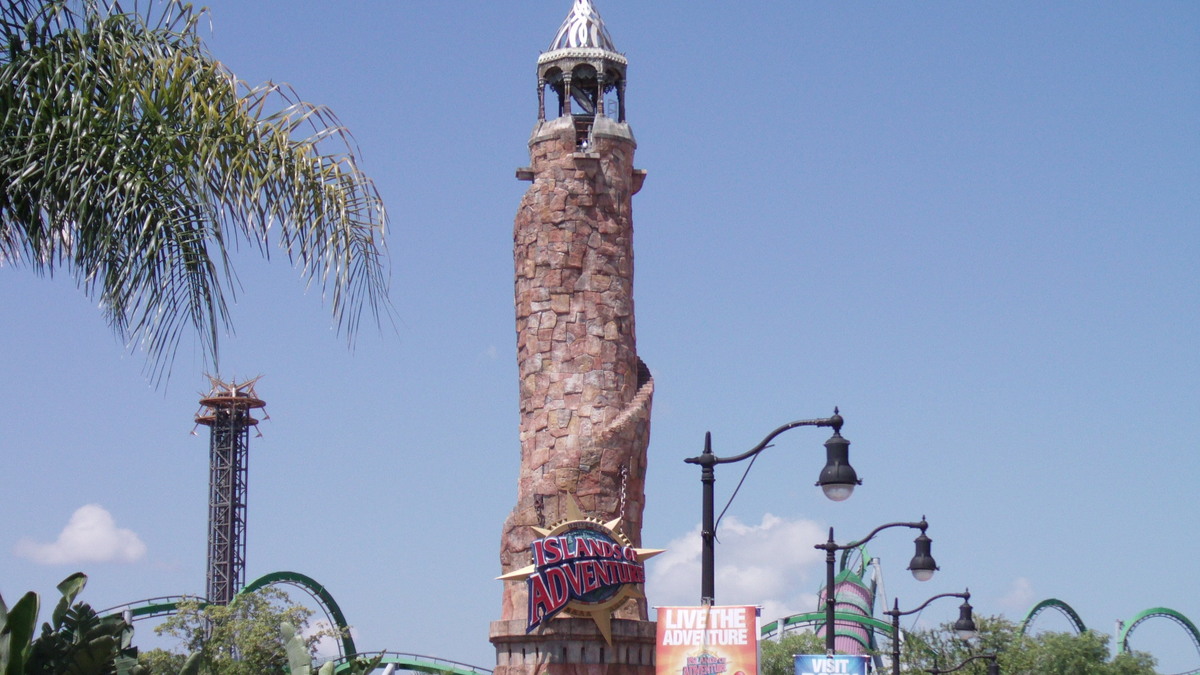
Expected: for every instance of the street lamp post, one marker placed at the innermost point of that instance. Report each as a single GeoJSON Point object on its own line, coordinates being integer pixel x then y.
{"type": "Point", "coordinates": [992, 669]}
{"type": "Point", "coordinates": [922, 567]}
{"type": "Point", "coordinates": [837, 481]}
{"type": "Point", "coordinates": [964, 626]}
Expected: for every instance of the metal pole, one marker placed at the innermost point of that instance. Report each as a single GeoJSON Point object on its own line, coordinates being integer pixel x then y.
{"type": "Point", "coordinates": [921, 561]}
{"type": "Point", "coordinates": [895, 636]}
{"type": "Point", "coordinates": [830, 598]}
{"type": "Point", "coordinates": [708, 529]}
{"type": "Point", "coordinates": [965, 621]}
{"type": "Point", "coordinates": [707, 461]}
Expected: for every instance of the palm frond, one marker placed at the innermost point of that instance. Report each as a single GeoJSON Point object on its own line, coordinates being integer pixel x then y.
{"type": "Point", "coordinates": [135, 160]}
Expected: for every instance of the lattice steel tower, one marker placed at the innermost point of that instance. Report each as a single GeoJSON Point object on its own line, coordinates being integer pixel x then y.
{"type": "Point", "coordinates": [226, 412]}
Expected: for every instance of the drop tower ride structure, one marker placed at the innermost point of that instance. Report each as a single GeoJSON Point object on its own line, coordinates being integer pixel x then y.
{"type": "Point", "coordinates": [585, 395]}
{"type": "Point", "coordinates": [227, 412]}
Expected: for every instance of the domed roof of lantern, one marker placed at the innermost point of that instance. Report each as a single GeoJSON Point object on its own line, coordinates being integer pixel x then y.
{"type": "Point", "coordinates": [582, 35]}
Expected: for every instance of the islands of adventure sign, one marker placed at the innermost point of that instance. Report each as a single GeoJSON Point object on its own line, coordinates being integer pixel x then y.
{"type": "Point", "coordinates": [707, 640]}
{"type": "Point", "coordinates": [582, 566]}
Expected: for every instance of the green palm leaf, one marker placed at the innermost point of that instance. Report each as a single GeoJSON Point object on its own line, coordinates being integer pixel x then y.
{"type": "Point", "coordinates": [16, 633]}
{"type": "Point", "coordinates": [134, 160]}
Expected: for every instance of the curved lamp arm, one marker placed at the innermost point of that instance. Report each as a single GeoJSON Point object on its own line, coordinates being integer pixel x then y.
{"type": "Point", "coordinates": [708, 459]}
{"type": "Point", "coordinates": [895, 611]}
{"type": "Point", "coordinates": [837, 481]}
{"type": "Point", "coordinates": [922, 564]}
{"type": "Point", "coordinates": [922, 567]}
{"type": "Point", "coordinates": [964, 627]}
{"type": "Point", "coordinates": [922, 526]}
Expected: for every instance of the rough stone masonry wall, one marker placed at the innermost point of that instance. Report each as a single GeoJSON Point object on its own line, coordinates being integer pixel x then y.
{"type": "Point", "coordinates": [584, 394]}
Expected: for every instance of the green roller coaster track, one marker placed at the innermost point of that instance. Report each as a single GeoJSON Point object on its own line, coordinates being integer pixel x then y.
{"type": "Point", "coordinates": [153, 607]}
{"type": "Point", "coordinates": [769, 630]}
{"type": "Point", "coordinates": [1126, 626]}
{"type": "Point", "coordinates": [854, 563]}
{"type": "Point", "coordinates": [777, 628]}
{"type": "Point", "coordinates": [168, 605]}
{"type": "Point", "coordinates": [1056, 604]}
{"type": "Point", "coordinates": [1188, 627]}
{"type": "Point", "coordinates": [414, 662]}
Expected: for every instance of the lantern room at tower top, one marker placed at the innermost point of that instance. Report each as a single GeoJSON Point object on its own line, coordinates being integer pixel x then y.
{"type": "Point", "coordinates": [580, 67]}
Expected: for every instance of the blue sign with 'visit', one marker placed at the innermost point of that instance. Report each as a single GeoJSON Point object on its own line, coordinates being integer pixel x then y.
{"type": "Point", "coordinates": [820, 664]}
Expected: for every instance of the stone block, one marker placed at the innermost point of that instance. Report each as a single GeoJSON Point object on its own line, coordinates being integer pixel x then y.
{"type": "Point", "coordinates": [560, 302]}
{"type": "Point", "coordinates": [566, 479]}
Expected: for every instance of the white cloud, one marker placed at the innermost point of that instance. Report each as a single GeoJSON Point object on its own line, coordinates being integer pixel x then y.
{"type": "Point", "coordinates": [1019, 597]}
{"type": "Point", "coordinates": [91, 535]}
{"type": "Point", "coordinates": [768, 564]}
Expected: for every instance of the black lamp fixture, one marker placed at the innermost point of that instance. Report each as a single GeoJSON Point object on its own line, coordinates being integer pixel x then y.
{"type": "Point", "coordinates": [922, 567]}
{"type": "Point", "coordinates": [964, 627]}
{"type": "Point", "coordinates": [837, 480]}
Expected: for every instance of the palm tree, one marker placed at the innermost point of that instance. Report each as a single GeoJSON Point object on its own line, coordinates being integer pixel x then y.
{"type": "Point", "coordinates": [134, 160]}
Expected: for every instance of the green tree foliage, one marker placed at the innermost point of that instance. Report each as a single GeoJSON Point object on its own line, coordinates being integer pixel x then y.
{"type": "Point", "coordinates": [162, 662]}
{"type": "Point", "coordinates": [300, 658]}
{"type": "Point", "coordinates": [132, 159]}
{"type": "Point", "coordinates": [1040, 654]}
{"type": "Point", "coordinates": [241, 638]}
{"type": "Point", "coordinates": [76, 641]}
{"type": "Point", "coordinates": [776, 657]}
{"type": "Point", "coordinates": [942, 648]}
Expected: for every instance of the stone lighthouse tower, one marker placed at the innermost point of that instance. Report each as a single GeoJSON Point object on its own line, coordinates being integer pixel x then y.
{"type": "Point", "coordinates": [584, 393]}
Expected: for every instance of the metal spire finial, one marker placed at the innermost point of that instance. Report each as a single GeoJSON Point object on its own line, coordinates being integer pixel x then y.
{"type": "Point", "coordinates": [583, 29]}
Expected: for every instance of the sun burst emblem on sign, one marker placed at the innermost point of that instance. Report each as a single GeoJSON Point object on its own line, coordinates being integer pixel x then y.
{"type": "Point", "coordinates": [583, 566]}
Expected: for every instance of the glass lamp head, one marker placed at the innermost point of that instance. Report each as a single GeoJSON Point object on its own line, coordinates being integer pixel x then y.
{"type": "Point", "coordinates": [838, 479]}
{"type": "Point", "coordinates": [922, 565]}
{"type": "Point", "coordinates": [965, 626]}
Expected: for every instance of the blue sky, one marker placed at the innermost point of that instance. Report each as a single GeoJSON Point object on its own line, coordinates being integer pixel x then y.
{"type": "Point", "coordinates": [972, 226]}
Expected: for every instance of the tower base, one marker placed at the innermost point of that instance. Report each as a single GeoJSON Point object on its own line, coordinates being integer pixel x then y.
{"type": "Point", "coordinates": [569, 646]}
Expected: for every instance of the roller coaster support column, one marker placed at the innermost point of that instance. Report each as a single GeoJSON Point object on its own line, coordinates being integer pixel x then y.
{"type": "Point", "coordinates": [922, 567]}
{"type": "Point", "coordinates": [964, 627]}
{"type": "Point", "coordinates": [837, 480]}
